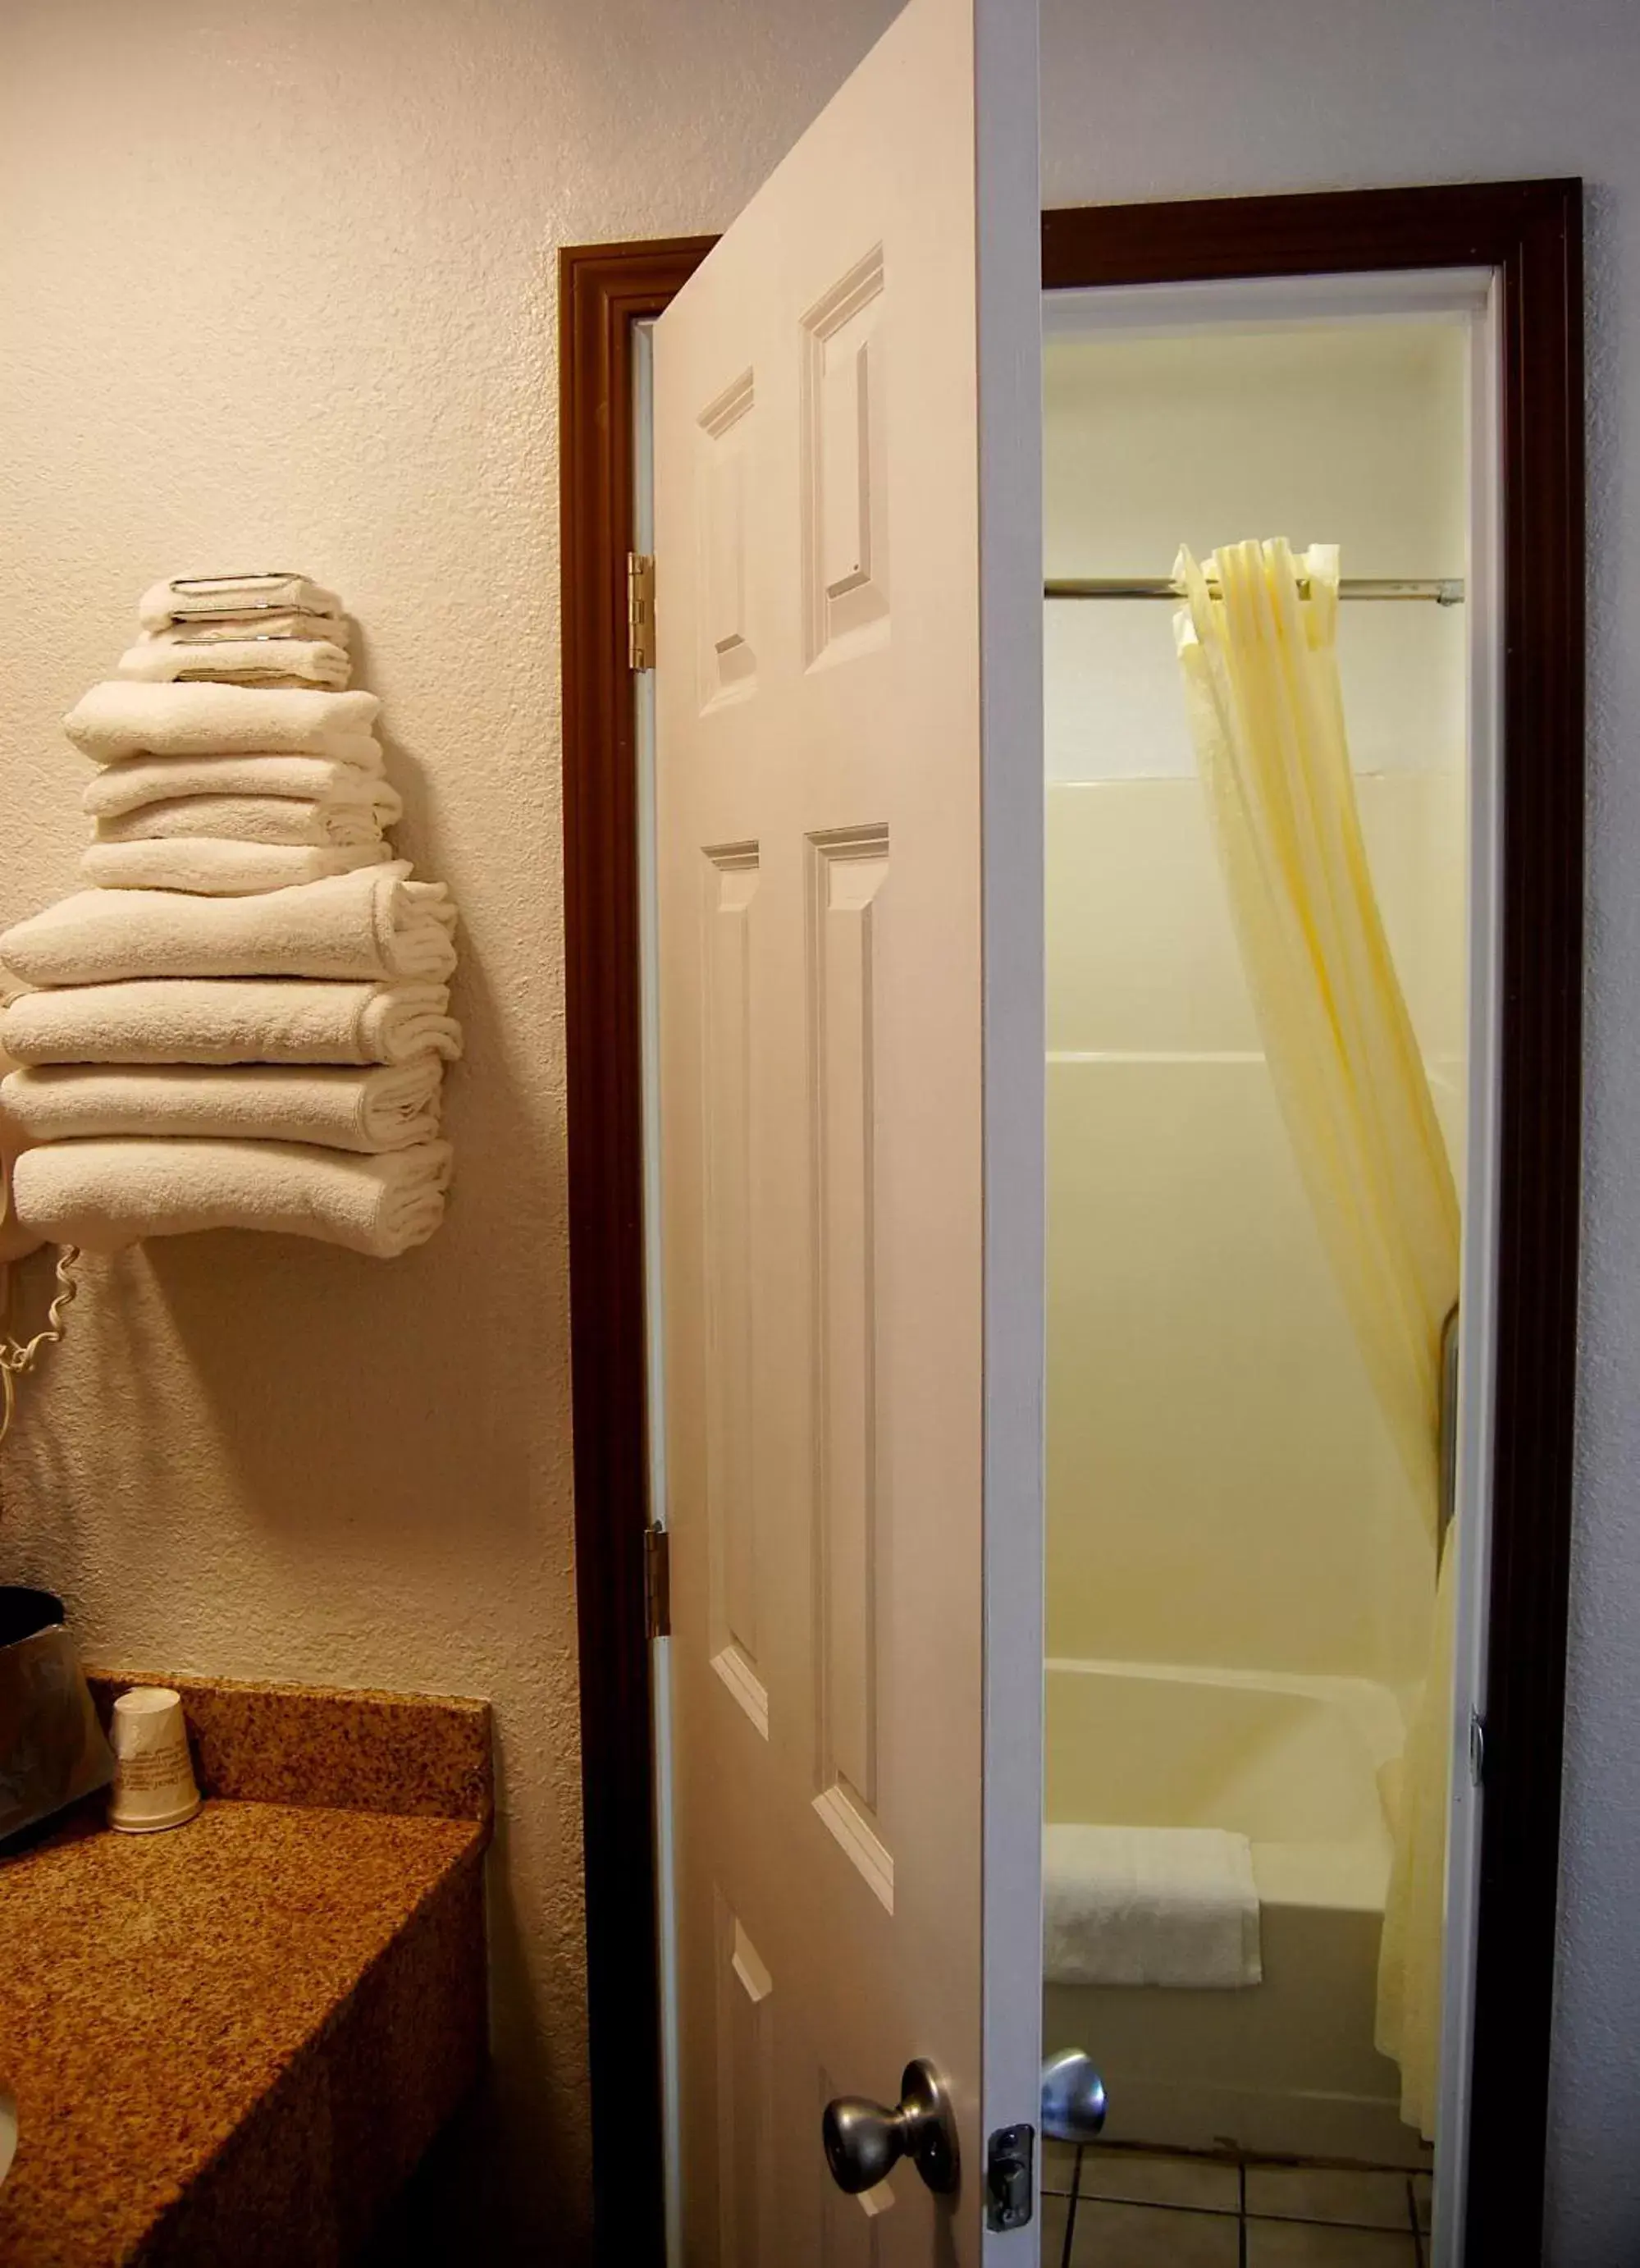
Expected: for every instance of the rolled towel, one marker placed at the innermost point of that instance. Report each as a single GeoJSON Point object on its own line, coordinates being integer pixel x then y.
{"type": "Point", "coordinates": [129, 786]}
{"type": "Point", "coordinates": [187, 1020]}
{"type": "Point", "coordinates": [225, 629]}
{"type": "Point", "coordinates": [104, 1195]}
{"type": "Point", "coordinates": [186, 598]}
{"type": "Point", "coordinates": [374, 922]}
{"type": "Point", "coordinates": [284, 818]}
{"type": "Point", "coordinates": [166, 661]}
{"type": "Point", "coordinates": [118, 719]}
{"type": "Point", "coordinates": [218, 870]}
{"type": "Point", "coordinates": [1148, 1905]}
{"type": "Point", "coordinates": [389, 1106]}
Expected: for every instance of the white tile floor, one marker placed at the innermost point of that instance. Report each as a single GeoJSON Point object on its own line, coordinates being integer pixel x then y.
{"type": "Point", "coordinates": [1368, 2200]}
{"type": "Point", "coordinates": [1153, 2236]}
{"type": "Point", "coordinates": [1306, 2244]}
{"type": "Point", "coordinates": [1153, 2209]}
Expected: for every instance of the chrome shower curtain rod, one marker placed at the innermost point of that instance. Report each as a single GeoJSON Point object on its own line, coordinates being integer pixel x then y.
{"type": "Point", "coordinates": [1445, 591]}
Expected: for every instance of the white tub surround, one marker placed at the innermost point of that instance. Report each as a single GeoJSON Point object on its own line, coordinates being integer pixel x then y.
{"type": "Point", "coordinates": [1292, 1764]}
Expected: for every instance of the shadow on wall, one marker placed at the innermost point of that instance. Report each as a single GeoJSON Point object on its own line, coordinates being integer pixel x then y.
{"type": "Point", "coordinates": [491, 2187]}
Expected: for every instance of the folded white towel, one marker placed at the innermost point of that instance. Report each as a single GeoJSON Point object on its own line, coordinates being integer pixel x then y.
{"type": "Point", "coordinates": [104, 1195]}
{"type": "Point", "coordinates": [388, 1106]}
{"type": "Point", "coordinates": [1148, 1905]}
{"type": "Point", "coordinates": [374, 922]}
{"type": "Point", "coordinates": [128, 787]}
{"type": "Point", "coordinates": [15, 1244]}
{"type": "Point", "coordinates": [218, 870]}
{"type": "Point", "coordinates": [235, 661]}
{"type": "Point", "coordinates": [230, 1020]}
{"type": "Point", "coordinates": [224, 629]}
{"type": "Point", "coordinates": [187, 596]}
{"type": "Point", "coordinates": [284, 818]}
{"type": "Point", "coordinates": [123, 788]}
{"type": "Point", "coordinates": [119, 718]}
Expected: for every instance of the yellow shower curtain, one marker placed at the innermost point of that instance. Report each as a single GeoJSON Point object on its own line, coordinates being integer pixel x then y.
{"type": "Point", "coordinates": [1260, 665]}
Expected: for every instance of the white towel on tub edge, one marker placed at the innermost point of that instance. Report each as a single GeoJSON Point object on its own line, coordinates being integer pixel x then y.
{"type": "Point", "coordinates": [1148, 1905]}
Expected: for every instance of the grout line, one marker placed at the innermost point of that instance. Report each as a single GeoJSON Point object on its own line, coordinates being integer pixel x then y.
{"type": "Point", "coordinates": [1231, 2213]}
{"type": "Point", "coordinates": [1241, 2216]}
{"type": "Point", "coordinates": [1176, 2154]}
{"type": "Point", "coordinates": [1301, 2220]}
{"type": "Point", "coordinates": [1170, 2204]}
{"type": "Point", "coordinates": [1070, 2209]}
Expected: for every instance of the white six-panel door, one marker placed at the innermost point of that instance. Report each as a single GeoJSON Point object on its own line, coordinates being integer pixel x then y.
{"type": "Point", "coordinates": [848, 769]}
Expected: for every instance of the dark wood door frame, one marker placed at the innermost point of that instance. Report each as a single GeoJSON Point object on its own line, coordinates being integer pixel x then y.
{"type": "Point", "coordinates": [604, 289]}
{"type": "Point", "coordinates": [1531, 233]}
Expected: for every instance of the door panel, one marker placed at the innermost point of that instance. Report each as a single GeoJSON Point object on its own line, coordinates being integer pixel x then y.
{"type": "Point", "coordinates": [744, 2015]}
{"type": "Point", "coordinates": [729, 880]}
{"type": "Point", "coordinates": [849, 937]}
{"type": "Point", "coordinates": [828, 726]}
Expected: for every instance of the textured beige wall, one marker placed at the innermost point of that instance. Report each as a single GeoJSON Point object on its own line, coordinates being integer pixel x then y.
{"type": "Point", "coordinates": [277, 287]}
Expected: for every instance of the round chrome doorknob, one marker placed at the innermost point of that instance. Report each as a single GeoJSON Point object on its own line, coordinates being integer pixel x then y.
{"type": "Point", "coordinates": [1073, 2097]}
{"type": "Point", "coordinates": [866, 2140]}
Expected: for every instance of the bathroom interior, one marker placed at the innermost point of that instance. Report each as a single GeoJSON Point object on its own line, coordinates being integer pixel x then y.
{"type": "Point", "coordinates": [1241, 1578]}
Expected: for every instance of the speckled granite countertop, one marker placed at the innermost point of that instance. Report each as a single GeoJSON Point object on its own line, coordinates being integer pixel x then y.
{"type": "Point", "coordinates": [231, 2041]}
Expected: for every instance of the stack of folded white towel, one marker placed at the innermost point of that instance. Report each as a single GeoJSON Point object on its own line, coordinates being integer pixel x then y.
{"type": "Point", "coordinates": [243, 1021]}
{"type": "Point", "coordinates": [241, 629]}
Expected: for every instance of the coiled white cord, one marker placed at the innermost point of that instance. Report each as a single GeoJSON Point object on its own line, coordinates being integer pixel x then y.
{"type": "Point", "coordinates": [17, 1357]}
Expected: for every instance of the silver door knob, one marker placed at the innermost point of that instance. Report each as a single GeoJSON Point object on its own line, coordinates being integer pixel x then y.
{"type": "Point", "coordinates": [866, 2140]}
{"type": "Point", "coordinates": [1073, 2097]}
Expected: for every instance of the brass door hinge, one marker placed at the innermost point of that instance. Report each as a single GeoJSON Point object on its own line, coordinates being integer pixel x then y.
{"type": "Point", "coordinates": [657, 1581]}
{"type": "Point", "coordinates": [640, 610]}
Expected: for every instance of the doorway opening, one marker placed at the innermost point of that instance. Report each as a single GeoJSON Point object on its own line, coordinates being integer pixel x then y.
{"type": "Point", "coordinates": [1515, 1450]}
{"type": "Point", "coordinates": [1241, 1547]}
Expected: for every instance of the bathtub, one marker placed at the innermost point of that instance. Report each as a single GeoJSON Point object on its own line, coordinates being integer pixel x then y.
{"type": "Point", "coordinates": [1287, 2067]}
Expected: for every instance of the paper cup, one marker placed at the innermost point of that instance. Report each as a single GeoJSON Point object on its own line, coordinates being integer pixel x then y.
{"type": "Point", "coordinates": [153, 1773]}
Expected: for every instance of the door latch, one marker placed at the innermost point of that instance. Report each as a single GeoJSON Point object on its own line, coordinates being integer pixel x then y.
{"type": "Point", "coordinates": [1010, 2177]}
